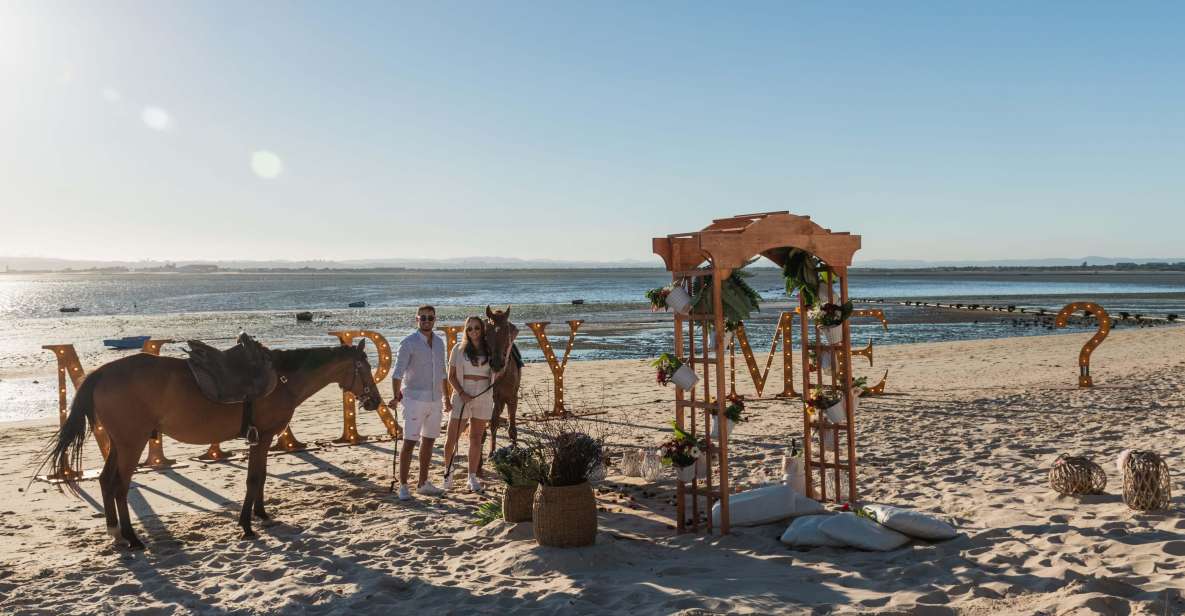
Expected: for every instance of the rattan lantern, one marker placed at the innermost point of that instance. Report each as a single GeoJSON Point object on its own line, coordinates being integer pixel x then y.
{"type": "Point", "coordinates": [1146, 482]}
{"type": "Point", "coordinates": [1076, 476]}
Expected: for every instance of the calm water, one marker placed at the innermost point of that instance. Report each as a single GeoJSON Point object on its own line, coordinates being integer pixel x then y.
{"type": "Point", "coordinates": [33, 296]}
{"type": "Point", "coordinates": [618, 323]}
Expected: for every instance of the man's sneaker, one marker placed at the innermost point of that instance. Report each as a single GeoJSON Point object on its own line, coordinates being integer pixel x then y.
{"type": "Point", "coordinates": [404, 493]}
{"type": "Point", "coordinates": [448, 483]}
{"type": "Point", "coordinates": [474, 484]}
{"type": "Point", "coordinates": [429, 490]}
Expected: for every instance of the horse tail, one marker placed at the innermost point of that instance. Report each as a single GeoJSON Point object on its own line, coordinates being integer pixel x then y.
{"type": "Point", "coordinates": [64, 455]}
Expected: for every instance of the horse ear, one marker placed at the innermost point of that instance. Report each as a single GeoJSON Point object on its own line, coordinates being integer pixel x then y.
{"type": "Point", "coordinates": [508, 311]}
{"type": "Point", "coordinates": [489, 313]}
{"type": "Point", "coordinates": [362, 344]}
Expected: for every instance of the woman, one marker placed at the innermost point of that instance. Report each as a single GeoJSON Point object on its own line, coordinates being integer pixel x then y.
{"type": "Point", "coordinates": [473, 398]}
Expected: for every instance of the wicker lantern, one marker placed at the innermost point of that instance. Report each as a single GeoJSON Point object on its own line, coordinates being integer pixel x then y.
{"type": "Point", "coordinates": [1076, 476]}
{"type": "Point", "coordinates": [1146, 482]}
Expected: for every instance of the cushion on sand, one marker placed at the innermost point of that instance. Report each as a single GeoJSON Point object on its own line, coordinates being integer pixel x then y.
{"type": "Point", "coordinates": [764, 505]}
{"type": "Point", "coordinates": [912, 523]}
{"type": "Point", "coordinates": [851, 529]}
{"type": "Point", "coordinates": [804, 532]}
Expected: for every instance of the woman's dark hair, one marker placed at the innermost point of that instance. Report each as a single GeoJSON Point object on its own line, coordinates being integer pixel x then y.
{"type": "Point", "coordinates": [467, 346]}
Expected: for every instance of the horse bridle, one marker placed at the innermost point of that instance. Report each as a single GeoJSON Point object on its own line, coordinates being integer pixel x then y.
{"type": "Point", "coordinates": [358, 366]}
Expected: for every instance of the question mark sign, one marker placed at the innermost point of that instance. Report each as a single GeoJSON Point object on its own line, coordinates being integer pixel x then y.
{"type": "Point", "coordinates": [1104, 321]}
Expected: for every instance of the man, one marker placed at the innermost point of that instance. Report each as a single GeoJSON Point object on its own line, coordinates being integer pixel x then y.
{"type": "Point", "coordinates": [419, 382]}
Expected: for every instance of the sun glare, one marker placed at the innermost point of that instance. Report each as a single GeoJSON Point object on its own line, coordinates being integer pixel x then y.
{"type": "Point", "coordinates": [266, 164]}
{"type": "Point", "coordinates": [156, 118]}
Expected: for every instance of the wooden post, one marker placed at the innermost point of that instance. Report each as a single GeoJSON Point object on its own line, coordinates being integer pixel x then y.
{"type": "Point", "coordinates": [807, 410]}
{"type": "Point", "coordinates": [722, 425]}
{"type": "Point", "coordinates": [680, 489]}
{"type": "Point", "coordinates": [849, 401]}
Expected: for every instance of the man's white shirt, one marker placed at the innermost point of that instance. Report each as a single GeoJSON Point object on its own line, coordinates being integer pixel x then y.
{"type": "Point", "coordinates": [421, 368]}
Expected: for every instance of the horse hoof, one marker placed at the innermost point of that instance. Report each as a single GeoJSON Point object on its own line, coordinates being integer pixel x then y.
{"type": "Point", "coordinates": [135, 544]}
{"type": "Point", "coordinates": [113, 531]}
{"type": "Point", "coordinates": [248, 534]}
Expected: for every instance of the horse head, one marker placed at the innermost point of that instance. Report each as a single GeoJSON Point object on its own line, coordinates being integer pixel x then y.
{"type": "Point", "coordinates": [500, 334]}
{"type": "Point", "coordinates": [358, 378]}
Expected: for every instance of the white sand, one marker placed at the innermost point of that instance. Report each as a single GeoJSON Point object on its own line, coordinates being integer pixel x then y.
{"type": "Point", "coordinates": [968, 431]}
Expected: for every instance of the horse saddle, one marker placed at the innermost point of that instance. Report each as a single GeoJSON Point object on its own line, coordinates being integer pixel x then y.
{"type": "Point", "coordinates": [241, 373]}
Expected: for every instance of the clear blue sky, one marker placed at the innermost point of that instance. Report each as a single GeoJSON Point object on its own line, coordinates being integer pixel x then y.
{"type": "Point", "coordinates": [580, 130]}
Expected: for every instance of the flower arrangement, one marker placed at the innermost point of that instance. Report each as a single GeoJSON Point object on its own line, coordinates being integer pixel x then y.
{"type": "Point", "coordinates": [860, 383]}
{"type": "Point", "coordinates": [830, 315]}
{"type": "Point", "coordinates": [658, 298]}
{"type": "Point", "coordinates": [566, 459]}
{"type": "Point", "coordinates": [801, 272]}
{"type": "Point", "coordinates": [517, 466]}
{"type": "Point", "coordinates": [680, 450]}
{"type": "Point", "coordinates": [666, 365]}
{"type": "Point", "coordinates": [735, 409]}
{"type": "Point", "coordinates": [822, 399]}
{"type": "Point", "coordinates": [738, 298]}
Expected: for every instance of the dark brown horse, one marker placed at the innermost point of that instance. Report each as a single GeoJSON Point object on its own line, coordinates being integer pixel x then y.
{"type": "Point", "coordinates": [134, 396]}
{"type": "Point", "coordinates": [500, 338]}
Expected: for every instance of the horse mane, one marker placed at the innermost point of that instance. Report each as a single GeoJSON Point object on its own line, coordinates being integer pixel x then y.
{"type": "Point", "coordinates": [305, 359]}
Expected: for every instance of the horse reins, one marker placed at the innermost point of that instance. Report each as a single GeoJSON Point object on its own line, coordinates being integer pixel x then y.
{"type": "Point", "coordinates": [448, 467]}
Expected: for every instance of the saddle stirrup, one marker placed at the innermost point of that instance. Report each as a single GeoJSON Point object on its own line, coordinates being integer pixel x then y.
{"type": "Point", "coordinates": [247, 429]}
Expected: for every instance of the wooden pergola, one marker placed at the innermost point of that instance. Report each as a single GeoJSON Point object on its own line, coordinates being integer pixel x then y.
{"type": "Point", "coordinates": [717, 251]}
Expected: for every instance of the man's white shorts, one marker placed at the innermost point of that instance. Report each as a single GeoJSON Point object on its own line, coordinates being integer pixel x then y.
{"type": "Point", "coordinates": [421, 419]}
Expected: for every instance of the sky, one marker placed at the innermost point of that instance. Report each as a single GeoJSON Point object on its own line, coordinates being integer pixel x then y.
{"type": "Point", "coordinates": [578, 131]}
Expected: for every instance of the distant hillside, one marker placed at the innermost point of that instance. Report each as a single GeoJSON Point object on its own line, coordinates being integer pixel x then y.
{"type": "Point", "coordinates": [38, 264]}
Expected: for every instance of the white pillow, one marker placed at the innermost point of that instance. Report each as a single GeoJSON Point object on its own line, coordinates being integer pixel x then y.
{"type": "Point", "coordinates": [912, 523]}
{"type": "Point", "coordinates": [764, 505]}
{"type": "Point", "coordinates": [862, 533]}
{"type": "Point", "coordinates": [804, 532]}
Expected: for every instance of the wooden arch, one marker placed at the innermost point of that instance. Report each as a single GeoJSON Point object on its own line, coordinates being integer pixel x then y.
{"type": "Point", "coordinates": [724, 246]}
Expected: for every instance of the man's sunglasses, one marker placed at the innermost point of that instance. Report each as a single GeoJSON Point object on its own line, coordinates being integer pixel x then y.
{"type": "Point", "coordinates": [426, 317]}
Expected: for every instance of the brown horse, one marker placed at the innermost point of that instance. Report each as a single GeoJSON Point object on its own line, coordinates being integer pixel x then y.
{"type": "Point", "coordinates": [500, 338]}
{"type": "Point", "coordinates": [135, 396]}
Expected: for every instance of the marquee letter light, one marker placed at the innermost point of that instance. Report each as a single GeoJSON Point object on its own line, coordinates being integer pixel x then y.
{"type": "Point", "coordinates": [1104, 322]}
{"type": "Point", "coordinates": [69, 364]}
{"type": "Point", "coordinates": [450, 337]}
{"type": "Point", "coordinates": [879, 315]}
{"type": "Point", "coordinates": [782, 334]}
{"type": "Point", "coordinates": [156, 451]}
{"type": "Point", "coordinates": [349, 407]}
{"type": "Point", "coordinates": [539, 328]}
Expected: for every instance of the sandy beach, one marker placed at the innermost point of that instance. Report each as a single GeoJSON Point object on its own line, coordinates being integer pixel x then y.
{"type": "Point", "coordinates": [967, 430]}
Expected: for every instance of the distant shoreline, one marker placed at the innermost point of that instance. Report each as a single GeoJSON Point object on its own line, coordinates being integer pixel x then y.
{"type": "Point", "coordinates": [1073, 271]}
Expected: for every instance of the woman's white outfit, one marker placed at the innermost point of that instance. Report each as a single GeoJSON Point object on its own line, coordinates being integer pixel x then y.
{"type": "Point", "coordinates": [481, 407]}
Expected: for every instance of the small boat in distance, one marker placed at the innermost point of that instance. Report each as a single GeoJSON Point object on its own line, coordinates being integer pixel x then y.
{"type": "Point", "coordinates": [358, 304]}
{"type": "Point", "coordinates": [68, 309]}
{"type": "Point", "coordinates": [304, 317]}
{"type": "Point", "coordinates": [577, 302]}
{"type": "Point", "coordinates": [127, 342]}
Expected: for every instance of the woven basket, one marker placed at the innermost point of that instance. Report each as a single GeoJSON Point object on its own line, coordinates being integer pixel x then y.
{"type": "Point", "coordinates": [566, 516]}
{"type": "Point", "coordinates": [518, 502]}
{"type": "Point", "coordinates": [1146, 482]}
{"type": "Point", "coordinates": [1076, 475]}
